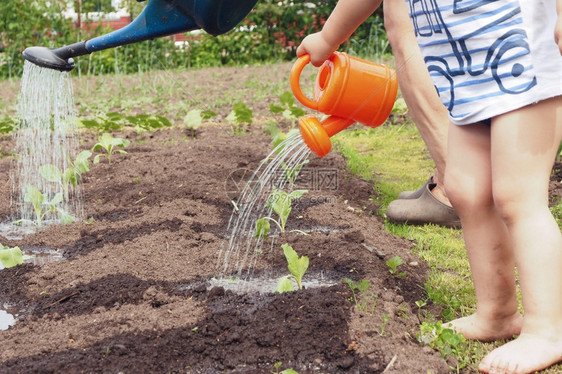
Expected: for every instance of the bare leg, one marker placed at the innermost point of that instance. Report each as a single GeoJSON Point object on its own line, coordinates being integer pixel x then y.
{"type": "Point", "coordinates": [524, 144]}
{"type": "Point", "coordinates": [469, 186]}
{"type": "Point", "coordinates": [426, 109]}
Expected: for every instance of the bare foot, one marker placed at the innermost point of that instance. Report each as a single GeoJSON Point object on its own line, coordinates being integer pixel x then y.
{"type": "Point", "coordinates": [475, 327]}
{"type": "Point", "coordinates": [439, 193]}
{"type": "Point", "coordinates": [526, 354]}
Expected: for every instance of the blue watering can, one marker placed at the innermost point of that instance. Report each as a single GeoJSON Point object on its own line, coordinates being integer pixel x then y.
{"type": "Point", "coordinates": [159, 18]}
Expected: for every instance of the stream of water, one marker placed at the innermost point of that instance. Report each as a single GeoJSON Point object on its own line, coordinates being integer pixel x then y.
{"type": "Point", "coordinates": [239, 255]}
{"type": "Point", "coordinates": [46, 135]}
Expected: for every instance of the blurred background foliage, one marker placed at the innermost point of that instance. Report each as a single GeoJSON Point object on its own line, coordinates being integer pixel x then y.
{"type": "Point", "coordinates": [270, 33]}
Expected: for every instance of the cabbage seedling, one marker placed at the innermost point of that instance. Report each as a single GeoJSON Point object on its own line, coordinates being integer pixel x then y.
{"type": "Point", "coordinates": [71, 175]}
{"type": "Point", "coordinates": [393, 264]}
{"type": "Point", "coordinates": [107, 142]}
{"type": "Point", "coordinates": [42, 206]}
{"type": "Point", "coordinates": [291, 174]}
{"type": "Point", "coordinates": [287, 107]}
{"type": "Point", "coordinates": [297, 266]}
{"type": "Point", "coordinates": [193, 120]}
{"type": "Point", "coordinates": [280, 202]}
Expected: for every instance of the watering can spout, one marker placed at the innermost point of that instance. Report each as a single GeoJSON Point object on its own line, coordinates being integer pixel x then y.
{"type": "Point", "coordinates": [159, 18]}
{"type": "Point", "coordinates": [316, 134]}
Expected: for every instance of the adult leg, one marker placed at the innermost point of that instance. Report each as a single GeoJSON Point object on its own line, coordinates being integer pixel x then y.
{"type": "Point", "coordinates": [469, 186]}
{"type": "Point", "coordinates": [429, 114]}
{"type": "Point", "coordinates": [524, 145]}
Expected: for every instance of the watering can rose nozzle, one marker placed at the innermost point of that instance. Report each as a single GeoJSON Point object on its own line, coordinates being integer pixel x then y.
{"type": "Point", "coordinates": [58, 59]}
{"type": "Point", "coordinates": [159, 18]}
{"type": "Point", "coordinates": [349, 90]}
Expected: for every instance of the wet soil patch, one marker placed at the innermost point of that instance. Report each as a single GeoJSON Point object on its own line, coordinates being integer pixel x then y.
{"type": "Point", "coordinates": [133, 293]}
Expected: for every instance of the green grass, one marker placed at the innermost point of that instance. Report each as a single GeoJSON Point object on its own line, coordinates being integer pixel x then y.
{"type": "Point", "coordinates": [394, 156]}
{"type": "Point", "coordinates": [396, 159]}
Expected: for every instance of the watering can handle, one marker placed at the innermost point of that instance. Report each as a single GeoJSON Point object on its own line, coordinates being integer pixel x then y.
{"type": "Point", "coordinates": [296, 71]}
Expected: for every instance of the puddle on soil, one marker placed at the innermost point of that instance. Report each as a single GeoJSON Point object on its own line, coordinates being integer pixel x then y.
{"type": "Point", "coordinates": [15, 232]}
{"type": "Point", "coordinates": [264, 284]}
{"type": "Point", "coordinates": [6, 320]}
{"type": "Point", "coordinates": [39, 256]}
{"type": "Point", "coordinates": [36, 256]}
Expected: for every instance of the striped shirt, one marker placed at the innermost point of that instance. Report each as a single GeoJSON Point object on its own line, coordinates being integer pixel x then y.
{"type": "Point", "coordinates": [488, 57]}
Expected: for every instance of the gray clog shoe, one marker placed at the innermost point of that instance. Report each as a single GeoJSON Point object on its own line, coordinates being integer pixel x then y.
{"type": "Point", "coordinates": [417, 193]}
{"type": "Point", "coordinates": [422, 210]}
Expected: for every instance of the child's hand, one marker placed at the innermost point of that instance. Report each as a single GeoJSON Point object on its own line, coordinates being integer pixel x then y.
{"type": "Point", "coordinates": [317, 47]}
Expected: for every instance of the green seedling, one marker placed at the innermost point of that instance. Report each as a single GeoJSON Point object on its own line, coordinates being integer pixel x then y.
{"type": "Point", "coordinates": [114, 121]}
{"type": "Point", "coordinates": [42, 206]}
{"type": "Point", "coordinates": [439, 337]}
{"type": "Point", "coordinates": [385, 318]}
{"type": "Point", "coordinates": [193, 120]}
{"type": "Point", "coordinates": [393, 264]}
{"type": "Point", "coordinates": [291, 174]}
{"type": "Point", "coordinates": [108, 143]}
{"type": "Point", "coordinates": [146, 122]}
{"type": "Point", "coordinates": [262, 228]}
{"type": "Point", "coordinates": [109, 122]}
{"type": "Point", "coordinates": [7, 125]}
{"type": "Point", "coordinates": [10, 257]}
{"type": "Point", "coordinates": [420, 304]}
{"type": "Point", "coordinates": [280, 202]}
{"type": "Point", "coordinates": [71, 175]}
{"type": "Point", "coordinates": [287, 107]}
{"type": "Point", "coordinates": [238, 116]}
{"type": "Point", "coordinates": [297, 266]}
{"type": "Point", "coordinates": [365, 302]}
{"type": "Point", "coordinates": [277, 367]}
{"type": "Point", "coordinates": [279, 137]}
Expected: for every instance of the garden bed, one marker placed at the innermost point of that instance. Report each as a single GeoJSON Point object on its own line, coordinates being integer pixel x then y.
{"type": "Point", "coordinates": [134, 291]}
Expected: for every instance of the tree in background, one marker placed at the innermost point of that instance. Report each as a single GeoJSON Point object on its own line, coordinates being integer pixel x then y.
{"type": "Point", "coordinates": [103, 6]}
{"type": "Point", "coordinates": [274, 29]}
{"type": "Point", "coordinates": [28, 23]}
{"type": "Point", "coordinates": [271, 32]}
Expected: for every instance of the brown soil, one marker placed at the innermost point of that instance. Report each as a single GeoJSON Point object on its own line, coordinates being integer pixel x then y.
{"type": "Point", "coordinates": [133, 293]}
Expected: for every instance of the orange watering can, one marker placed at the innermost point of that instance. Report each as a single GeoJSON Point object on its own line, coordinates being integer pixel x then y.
{"type": "Point", "coordinates": [350, 90]}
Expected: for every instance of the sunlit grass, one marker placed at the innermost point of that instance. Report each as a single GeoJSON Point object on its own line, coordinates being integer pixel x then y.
{"type": "Point", "coordinates": [393, 156]}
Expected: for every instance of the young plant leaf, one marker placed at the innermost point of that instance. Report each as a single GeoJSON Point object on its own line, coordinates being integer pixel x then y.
{"type": "Point", "coordinates": [297, 266]}
{"type": "Point", "coordinates": [242, 113]}
{"type": "Point", "coordinates": [208, 114]}
{"type": "Point", "coordinates": [262, 228]}
{"type": "Point", "coordinates": [290, 254]}
{"type": "Point", "coordinates": [276, 109]}
{"type": "Point", "coordinates": [11, 257]}
{"type": "Point", "coordinates": [289, 371]}
{"type": "Point", "coordinates": [107, 142]}
{"type": "Point", "coordinates": [284, 284]}
{"type": "Point", "coordinates": [297, 194]}
{"type": "Point", "coordinates": [393, 264]}
{"type": "Point", "coordinates": [193, 119]}
{"type": "Point", "coordinates": [33, 196]}
{"type": "Point", "coordinates": [65, 217]}
{"type": "Point", "coordinates": [280, 202]}
{"type": "Point", "coordinates": [50, 173]}
{"type": "Point", "coordinates": [82, 162]}
{"type": "Point", "coordinates": [57, 199]}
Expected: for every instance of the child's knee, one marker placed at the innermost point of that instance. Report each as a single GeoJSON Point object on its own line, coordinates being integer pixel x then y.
{"type": "Point", "coordinates": [508, 201]}
{"type": "Point", "coordinates": [466, 194]}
